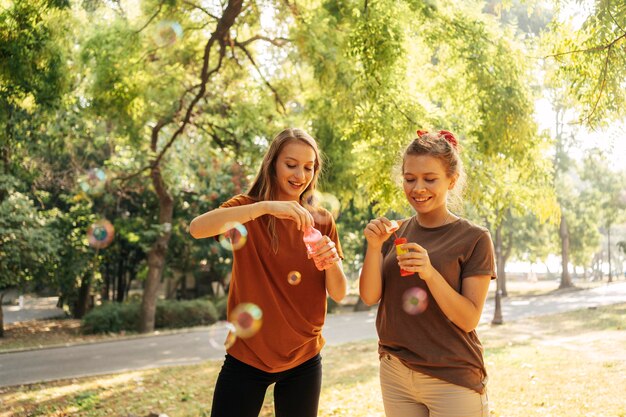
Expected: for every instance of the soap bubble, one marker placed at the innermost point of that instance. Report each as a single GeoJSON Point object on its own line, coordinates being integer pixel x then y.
{"type": "Point", "coordinates": [312, 200]}
{"type": "Point", "coordinates": [100, 234]}
{"type": "Point", "coordinates": [294, 277]}
{"type": "Point", "coordinates": [231, 337]}
{"type": "Point", "coordinates": [414, 300]}
{"type": "Point", "coordinates": [167, 33]}
{"type": "Point", "coordinates": [93, 182]}
{"type": "Point", "coordinates": [235, 236]}
{"type": "Point", "coordinates": [247, 319]}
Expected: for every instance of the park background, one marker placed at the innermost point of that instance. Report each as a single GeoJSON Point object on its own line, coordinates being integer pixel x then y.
{"type": "Point", "coordinates": [145, 114]}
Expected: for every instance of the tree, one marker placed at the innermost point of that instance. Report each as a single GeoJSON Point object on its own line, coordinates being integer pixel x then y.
{"type": "Point", "coordinates": [160, 88]}
{"type": "Point", "coordinates": [608, 187]}
{"type": "Point", "coordinates": [27, 245]}
{"type": "Point", "coordinates": [590, 60]}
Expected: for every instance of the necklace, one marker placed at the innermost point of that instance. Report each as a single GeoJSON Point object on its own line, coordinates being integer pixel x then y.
{"type": "Point", "coordinates": [445, 221]}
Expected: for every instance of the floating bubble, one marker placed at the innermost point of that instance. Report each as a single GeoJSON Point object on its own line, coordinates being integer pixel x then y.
{"type": "Point", "coordinates": [235, 236]}
{"type": "Point", "coordinates": [93, 182]}
{"type": "Point", "coordinates": [214, 332]}
{"type": "Point", "coordinates": [294, 277]}
{"type": "Point", "coordinates": [231, 337]}
{"type": "Point", "coordinates": [167, 33]}
{"type": "Point", "coordinates": [331, 203]}
{"type": "Point", "coordinates": [247, 319]}
{"type": "Point", "coordinates": [312, 200]}
{"type": "Point", "coordinates": [100, 234]}
{"type": "Point", "coordinates": [394, 226]}
{"type": "Point", "coordinates": [414, 300]}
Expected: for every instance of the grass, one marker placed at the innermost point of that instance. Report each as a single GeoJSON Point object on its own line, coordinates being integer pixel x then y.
{"type": "Point", "coordinates": [565, 365]}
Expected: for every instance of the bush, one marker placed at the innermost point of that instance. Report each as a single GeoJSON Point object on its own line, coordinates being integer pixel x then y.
{"type": "Point", "coordinates": [176, 314]}
{"type": "Point", "coordinates": [220, 305]}
{"type": "Point", "coordinates": [116, 317]}
{"type": "Point", "coordinates": [111, 318]}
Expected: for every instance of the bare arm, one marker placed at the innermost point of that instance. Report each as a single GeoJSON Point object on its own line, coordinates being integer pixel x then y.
{"type": "Point", "coordinates": [336, 282]}
{"type": "Point", "coordinates": [327, 259]}
{"type": "Point", "coordinates": [463, 309]}
{"type": "Point", "coordinates": [214, 222]}
{"type": "Point", "coordinates": [370, 280]}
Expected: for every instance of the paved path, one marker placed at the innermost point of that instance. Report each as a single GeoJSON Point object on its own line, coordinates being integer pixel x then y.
{"type": "Point", "coordinates": [33, 309]}
{"type": "Point", "coordinates": [200, 344]}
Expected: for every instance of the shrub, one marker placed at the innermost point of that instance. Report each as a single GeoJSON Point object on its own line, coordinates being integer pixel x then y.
{"type": "Point", "coordinates": [117, 317]}
{"type": "Point", "coordinates": [112, 318]}
{"type": "Point", "coordinates": [176, 314]}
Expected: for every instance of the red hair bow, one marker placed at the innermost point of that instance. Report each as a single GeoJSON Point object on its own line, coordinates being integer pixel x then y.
{"type": "Point", "coordinates": [449, 136]}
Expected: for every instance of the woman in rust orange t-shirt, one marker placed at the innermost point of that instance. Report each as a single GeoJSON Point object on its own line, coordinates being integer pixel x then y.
{"type": "Point", "coordinates": [285, 350]}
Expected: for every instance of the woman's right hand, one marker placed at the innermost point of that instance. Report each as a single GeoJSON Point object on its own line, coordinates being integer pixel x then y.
{"type": "Point", "coordinates": [291, 210]}
{"type": "Point", "coordinates": [376, 232]}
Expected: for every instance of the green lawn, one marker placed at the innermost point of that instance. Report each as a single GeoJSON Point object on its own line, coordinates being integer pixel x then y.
{"type": "Point", "coordinates": [566, 365]}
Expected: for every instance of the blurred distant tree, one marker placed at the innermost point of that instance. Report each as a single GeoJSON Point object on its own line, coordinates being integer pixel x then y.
{"type": "Point", "coordinates": [608, 187]}
{"type": "Point", "coordinates": [27, 245]}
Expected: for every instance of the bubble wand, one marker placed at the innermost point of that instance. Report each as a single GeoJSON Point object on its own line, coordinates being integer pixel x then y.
{"type": "Point", "coordinates": [399, 241]}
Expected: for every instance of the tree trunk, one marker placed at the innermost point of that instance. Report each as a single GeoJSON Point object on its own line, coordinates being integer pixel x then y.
{"type": "Point", "coordinates": [82, 303]}
{"type": "Point", "coordinates": [566, 279]}
{"type": "Point", "coordinates": [500, 261]}
{"type": "Point", "coordinates": [497, 315]}
{"type": "Point", "coordinates": [608, 233]}
{"type": "Point", "coordinates": [120, 287]}
{"type": "Point", "coordinates": [157, 253]}
{"type": "Point", "coordinates": [1, 316]}
{"type": "Point", "coordinates": [505, 257]}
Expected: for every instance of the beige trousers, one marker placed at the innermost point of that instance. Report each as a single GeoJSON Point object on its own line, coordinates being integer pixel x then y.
{"type": "Point", "coordinates": [407, 393]}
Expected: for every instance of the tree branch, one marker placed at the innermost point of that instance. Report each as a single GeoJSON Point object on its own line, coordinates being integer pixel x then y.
{"type": "Point", "coordinates": [205, 11]}
{"type": "Point", "coordinates": [605, 71]}
{"type": "Point", "coordinates": [267, 83]}
{"type": "Point", "coordinates": [222, 37]}
{"type": "Point", "coordinates": [274, 41]}
{"type": "Point", "coordinates": [594, 49]}
{"type": "Point", "coordinates": [608, 9]}
{"type": "Point", "coordinates": [151, 17]}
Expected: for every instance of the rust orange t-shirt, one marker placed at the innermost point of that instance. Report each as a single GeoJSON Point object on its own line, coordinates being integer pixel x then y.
{"type": "Point", "coordinates": [293, 315]}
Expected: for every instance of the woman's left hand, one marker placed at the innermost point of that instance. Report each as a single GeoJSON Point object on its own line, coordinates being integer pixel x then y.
{"type": "Point", "coordinates": [416, 260]}
{"type": "Point", "coordinates": [325, 253]}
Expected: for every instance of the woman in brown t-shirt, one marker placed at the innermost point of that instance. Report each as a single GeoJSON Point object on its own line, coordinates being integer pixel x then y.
{"type": "Point", "coordinates": [431, 291]}
{"type": "Point", "coordinates": [285, 350]}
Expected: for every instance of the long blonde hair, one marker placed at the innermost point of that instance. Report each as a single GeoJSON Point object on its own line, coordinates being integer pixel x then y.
{"type": "Point", "coordinates": [264, 186]}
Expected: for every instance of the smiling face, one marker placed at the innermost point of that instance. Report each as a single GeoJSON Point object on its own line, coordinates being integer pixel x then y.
{"type": "Point", "coordinates": [426, 185]}
{"type": "Point", "coordinates": [295, 168]}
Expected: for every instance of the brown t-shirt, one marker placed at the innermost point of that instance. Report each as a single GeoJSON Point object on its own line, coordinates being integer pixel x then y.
{"type": "Point", "coordinates": [293, 315]}
{"type": "Point", "coordinates": [428, 342]}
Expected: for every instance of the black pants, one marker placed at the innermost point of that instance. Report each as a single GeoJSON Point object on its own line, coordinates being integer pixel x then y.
{"type": "Point", "coordinates": [240, 389]}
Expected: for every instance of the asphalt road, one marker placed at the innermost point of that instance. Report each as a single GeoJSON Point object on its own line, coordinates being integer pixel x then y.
{"type": "Point", "coordinates": [200, 344]}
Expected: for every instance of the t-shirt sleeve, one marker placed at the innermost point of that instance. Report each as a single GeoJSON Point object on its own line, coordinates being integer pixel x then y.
{"type": "Point", "coordinates": [481, 259]}
{"type": "Point", "coordinates": [238, 200]}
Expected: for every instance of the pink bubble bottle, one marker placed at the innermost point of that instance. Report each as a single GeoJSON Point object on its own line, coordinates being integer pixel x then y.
{"type": "Point", "coordinates": [311, 236]}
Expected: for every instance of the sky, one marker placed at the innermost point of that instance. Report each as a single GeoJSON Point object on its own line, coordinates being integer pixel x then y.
{"type": "Point", "coordinates": [611, 140]}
